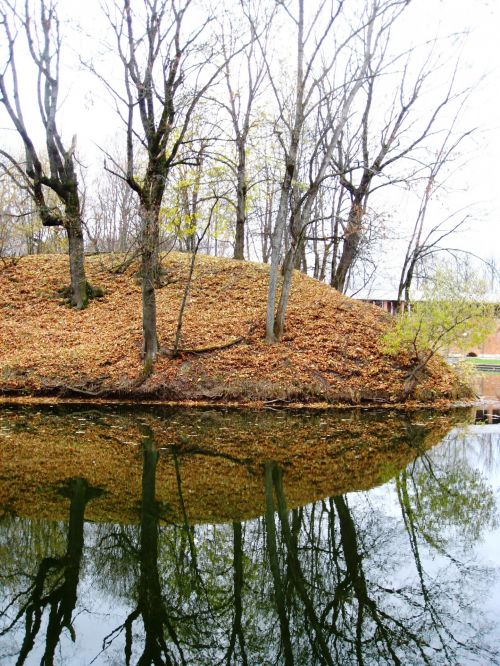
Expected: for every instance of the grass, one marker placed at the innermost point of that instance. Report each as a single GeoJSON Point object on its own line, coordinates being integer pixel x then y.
{"type": "Point", "coordinates": [483, 361]}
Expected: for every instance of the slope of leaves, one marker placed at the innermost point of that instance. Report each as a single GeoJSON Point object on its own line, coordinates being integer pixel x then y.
{"type": "Point", "coordinates": [330, 352]}
{"type": "Point", "coordinates": [211, 463]}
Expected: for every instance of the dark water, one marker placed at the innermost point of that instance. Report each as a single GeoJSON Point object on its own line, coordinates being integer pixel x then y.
{"type": "Point", "coordinates": [212, 537]}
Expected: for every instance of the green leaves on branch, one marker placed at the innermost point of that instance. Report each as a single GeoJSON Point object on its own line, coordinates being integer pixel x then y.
{"type": "Point", "coordinates": [176, 221]}
{"type": "Point", "coordinates": [452, 313]}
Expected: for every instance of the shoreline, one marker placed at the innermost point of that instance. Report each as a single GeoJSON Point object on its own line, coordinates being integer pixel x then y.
{"type": "Point", "coordinates": [408, 406]}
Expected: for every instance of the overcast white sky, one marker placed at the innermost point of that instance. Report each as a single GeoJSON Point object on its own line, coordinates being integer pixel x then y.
{"type": "Point", "coordinates": [473, 186]}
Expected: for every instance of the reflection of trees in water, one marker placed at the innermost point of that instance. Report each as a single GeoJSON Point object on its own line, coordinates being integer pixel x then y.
{"type": "Point", "coordinates": [161, 645]}
{"type": "Point", "coordinates": [449, 505]}
{"type": "Point", "coordinates": [348, 603]}
{"type": "Point", "coordinates": [477, 445]}
{"type": "Point", "coordinates": [50, 584]}
{"type": "Point", "coordinates": [336, 586]}
{"type": "Point", "coordinates": [167, 564]}
{"type": "Point", "coordinates": [335, 582]}
{"type": "Point", "coordinates": [446, 594]}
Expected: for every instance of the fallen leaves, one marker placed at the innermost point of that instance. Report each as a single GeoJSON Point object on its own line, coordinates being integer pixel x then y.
{"type": "Point", "coordinates": [330, 351]}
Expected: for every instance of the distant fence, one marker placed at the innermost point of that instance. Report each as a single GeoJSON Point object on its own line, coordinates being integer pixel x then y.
{"type": "Point", "coordinates": [485, 367]}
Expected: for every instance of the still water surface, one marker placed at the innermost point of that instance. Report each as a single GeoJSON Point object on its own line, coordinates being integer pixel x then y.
{"type": "Point", "coordinates": [211, 537]}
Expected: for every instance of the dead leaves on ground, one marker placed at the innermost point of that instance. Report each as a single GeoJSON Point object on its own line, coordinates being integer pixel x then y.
{"type": "Point", "coordinates": [330, 351]}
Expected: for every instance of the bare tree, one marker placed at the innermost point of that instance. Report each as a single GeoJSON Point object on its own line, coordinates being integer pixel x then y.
{"type": "Point", "coordinates": [366, 158]}
{"type": "Point", "coordinates": [314, 91]}
{"type": "Point", "coordinates": [43, 37]}
{"type": "Point", "coordinates": [241, 98]}
{"type": "Point", "coordinates": [425, 242]}
{"type": "Point", "coordinates": [167, 69]}
{"type": "Point", "coordinates": [293, 122]}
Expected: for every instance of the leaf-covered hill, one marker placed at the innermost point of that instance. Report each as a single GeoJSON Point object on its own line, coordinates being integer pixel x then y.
{"type": "Point", "coordinates": [330, 351]}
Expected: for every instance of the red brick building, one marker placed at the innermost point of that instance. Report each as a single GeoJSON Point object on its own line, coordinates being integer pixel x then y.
{"type": "Point", "coordinates": [490, 347]}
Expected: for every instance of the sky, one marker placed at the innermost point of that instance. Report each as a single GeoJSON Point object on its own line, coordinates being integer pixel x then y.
{"type": "Point", "coordinates": [471, 188]}
{"type": "Point", "coordinates": [87, 111]}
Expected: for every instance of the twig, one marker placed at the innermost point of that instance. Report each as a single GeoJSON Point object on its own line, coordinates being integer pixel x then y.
{"type": "Point", "coordinates": [75, 389]}
{"type": "Point", "coordinates": [169, 351]}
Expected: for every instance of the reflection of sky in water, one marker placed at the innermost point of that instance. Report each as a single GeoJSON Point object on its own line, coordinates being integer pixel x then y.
{"type": "Point", "coordinates": [479, 447]}
{"type": "Point", "coordinates": [483, 447]}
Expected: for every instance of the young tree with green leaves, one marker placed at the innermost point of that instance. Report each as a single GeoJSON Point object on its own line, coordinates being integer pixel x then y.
{"type": "Point", "coordinates": [452, 312]}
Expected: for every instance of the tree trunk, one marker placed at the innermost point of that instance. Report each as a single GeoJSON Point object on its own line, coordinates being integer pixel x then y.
{"type": "Point", "coordinates": [150, 602]}
{"type": "Point", "coordinates": [276, 239]}
{"type": "Point", "coordinates": [298, 224]}
{"type": "Point", "coordinates": [300, 261]}
{"type": "Point", "coordinates": [274, 565]}
{"type": "Point", "coordinates": [241, 203]}
{"type": "Point", "coordinates": [288, 264]}
{"type": "Point", "coordinates": [286, 185]}
{"type": "Point", "coordinates": [404, 288]}
{"type": "Point", "coordinates": [350, 247]}
{"type": "Point", "coordinates": [335, 243]}
{"type": "Point", "coordinates": [79, 297]}
{"type": "Point", "coordinates": [149, 272]}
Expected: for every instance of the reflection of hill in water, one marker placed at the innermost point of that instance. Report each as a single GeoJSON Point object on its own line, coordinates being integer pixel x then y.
{"type": "Point", "coordinates": [211, 463]}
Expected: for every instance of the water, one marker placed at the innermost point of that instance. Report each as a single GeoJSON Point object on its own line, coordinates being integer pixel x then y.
{"type": "Point", "coordinates": [487, 386]}
{"type": "Point", "coordinates": [208, 537]}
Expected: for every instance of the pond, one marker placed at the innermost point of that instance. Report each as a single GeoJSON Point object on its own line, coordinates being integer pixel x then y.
{"type": "Point", "coordinates": [155, 536]}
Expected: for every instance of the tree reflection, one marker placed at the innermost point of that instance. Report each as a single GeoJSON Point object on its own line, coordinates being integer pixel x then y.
{"type": "Point", "coordinates": [443, 499]}
{"type": "Point", "coordinates": [351, 611]}
{"type": "Point", "coordinates": [150, 606]}
{"type": "Point", "coordinates": [341, 581]}
{"type": "Point", "coordinates": [53, 586]}
{"type": "Point", "coordinates": [274, 563]}
{"type": "Point", "coordinates": [237, 630]}
{"type": "Point", "coordinates": [343, 619]}
{"type": "Point", "coordinates": [434, 499]}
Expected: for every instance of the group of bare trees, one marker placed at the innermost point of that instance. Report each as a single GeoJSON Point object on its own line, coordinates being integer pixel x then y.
{"type": "Point", "coordinates": [278, 122]}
